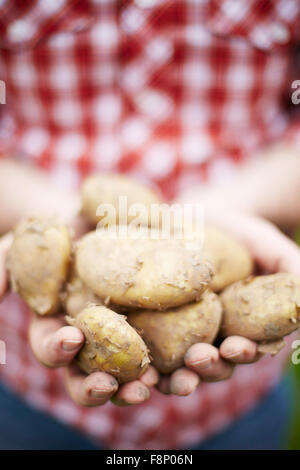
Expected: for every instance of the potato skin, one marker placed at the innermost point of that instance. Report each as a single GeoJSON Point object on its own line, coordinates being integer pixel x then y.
{"type": "Point", "coordinates": [230, 259]}
{"type": "Point", "coordinates": [78, 296]}
{"type": "Point", "coordinates": [169, 334]}
{"type": "Point", "coordinates": [262, 308]}
{"type": "Point", "coordinates": [107, 188]}
{"type": "Point", "coordinates": [38, 262]}
{"type": "Point", "coordinates": [146, 273]}
{"type": "Point", "coordinates": [111, 345]}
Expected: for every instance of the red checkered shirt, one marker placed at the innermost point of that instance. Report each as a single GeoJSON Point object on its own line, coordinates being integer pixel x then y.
{"type": "Point", "coordinates": [172, 92]}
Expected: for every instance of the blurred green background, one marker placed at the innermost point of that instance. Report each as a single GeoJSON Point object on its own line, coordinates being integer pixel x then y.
{"type": "Point", "coordinates": [294, 433]}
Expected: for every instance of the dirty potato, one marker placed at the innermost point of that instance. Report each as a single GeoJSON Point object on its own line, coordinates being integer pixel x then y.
{"type": "Point", "coordinates": [169, 334]}
{"type": "Point", "coordinates": [230, 259]}
{"type": "Point", "coordinates": [146, 273]}
{"type": "Point", "coordinates": [37, 263]}
{"type": "Point", "coordinates": [107, 189]}
{"type": "Point", "coordinates": [111, 345]}
{"type": "Point", "coordinates": [262, 308]}
{"type": "Point", "coordinates": [77, 296]}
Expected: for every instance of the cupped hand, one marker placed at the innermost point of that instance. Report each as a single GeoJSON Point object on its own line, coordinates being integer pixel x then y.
{"type": "Point", "coordinates": [207, 363]}
{"type": "Point", "coordinates": [273, 252]}
{"type": "Point", "coordinates": [55, 344]}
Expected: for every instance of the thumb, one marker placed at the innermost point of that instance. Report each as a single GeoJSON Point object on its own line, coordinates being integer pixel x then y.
{"type": "Point", "coordinates": [5, 243]}
{"type": "Point", "coordinates": [271, 249]}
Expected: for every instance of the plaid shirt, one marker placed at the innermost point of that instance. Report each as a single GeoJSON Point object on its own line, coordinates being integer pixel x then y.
{"type": "Point", "coordinates": [172, 92]}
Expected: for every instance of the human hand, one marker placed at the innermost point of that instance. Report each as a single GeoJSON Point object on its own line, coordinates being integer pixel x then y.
{"type": "Point", "coordinates": [55, 344]}
{"type": "Point", "coordinates": [273, 252]}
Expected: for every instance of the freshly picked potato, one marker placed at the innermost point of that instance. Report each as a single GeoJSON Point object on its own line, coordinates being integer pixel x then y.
{"type": "Point", "coordinates": [169, 334]}
{"type": "Point", "coordinates": [262, 308]}
{"type": "Point", "coordinates": [37, 263]}
{"type": "Point", "coordinates": [146, 273]}
{"type": "Point", "coordinates": [111, 345]}
{"type": "Point", "coordinates": [77, 296]}
{"type": "Point", "coordinates": [107, 189]}
{"type": "Point", "coordinates": [230, 259]}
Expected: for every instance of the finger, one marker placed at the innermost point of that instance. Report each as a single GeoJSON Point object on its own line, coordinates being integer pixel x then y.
{"type": "Point", "coordinates": [137, 393]}
{"type": "Point", "coordinates": [275, 252]}
{"type": "Point", "coordinates": [53, 343]}
{"type": "Point", "coordinates": [183, 382]}
{"type": "Point", "coordinates": [164, 385]}
{"type": "Point", "coordinates": [92, 390]}
{"type": "Point", "coordinates": [239, 350]}
{"type": "Point", "coordinates": [150, 378]}
{"type": "Point", "coordinates": [132, 393]}
{"type": "Point", "coordinates": [206, 361]}
{"type": "Point", "coordinates": [5, 243]}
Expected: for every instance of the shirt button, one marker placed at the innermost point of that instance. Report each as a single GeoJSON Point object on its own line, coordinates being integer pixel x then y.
{"type": "Point", "coordinates": [145, 3]}
{"type": "Point", "coordinates": [280, 33]}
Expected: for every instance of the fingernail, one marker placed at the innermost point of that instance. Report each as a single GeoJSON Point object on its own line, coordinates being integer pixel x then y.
{"type": "Point", "coordinates": [144, 393]}
{"type": "Point", "coordinates": [71, 344]}
{"type": "Point", "coordinates": [118, 401]}
{"type": "Point", "coordinates": [232, 354]}
{"type": "Point", "coordinates": [203, 364]}
{"type": "Point", "coordinates": [181, 391]}
{"type": "Point", "coordinates": [98, 393]}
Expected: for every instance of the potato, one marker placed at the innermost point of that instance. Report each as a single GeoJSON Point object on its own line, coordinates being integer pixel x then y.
{"type": "Point", "coordinates": [146, 273]}
{"type": "Point", "coordinates": [37, 263]}
{"type": "Point", "coordinates": [111, 345]}
{"type": "Point", "coordinates": [230, 259]}
{"type": "Point", "coordinates": [262, 308]}
{"type": "Point", "coordinates": [169, 334]}
{"type": "Point", "coordinates": [106, 189]}
{"type": "Point", "coordinates": [77, 296]}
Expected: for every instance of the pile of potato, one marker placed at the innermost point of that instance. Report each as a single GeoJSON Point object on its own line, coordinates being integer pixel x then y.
{"type": "Point", "coordinates": [141, 301]}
